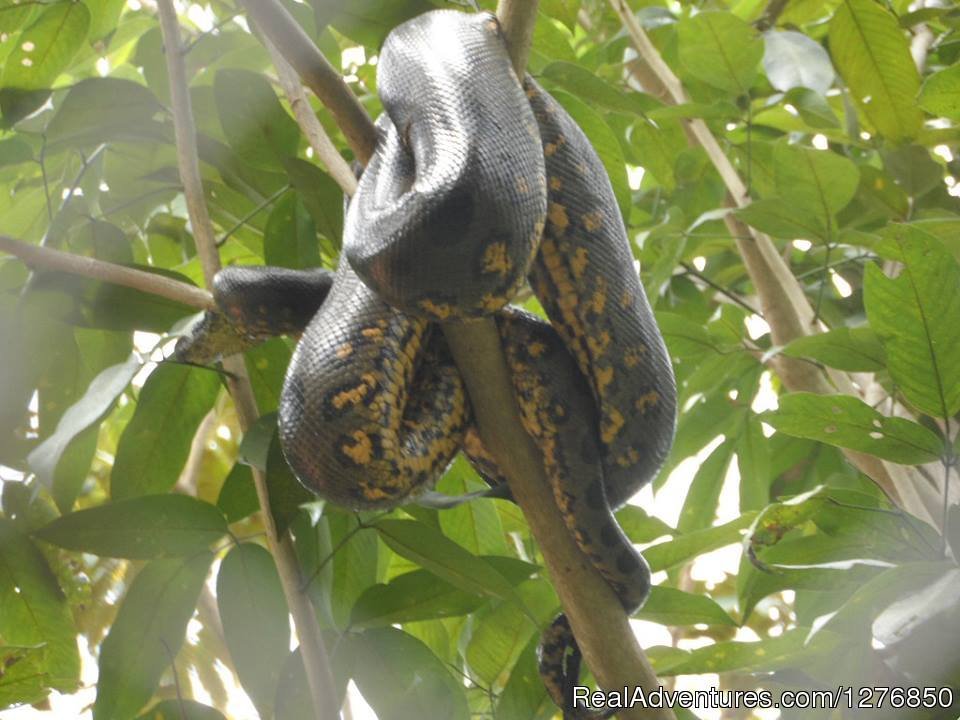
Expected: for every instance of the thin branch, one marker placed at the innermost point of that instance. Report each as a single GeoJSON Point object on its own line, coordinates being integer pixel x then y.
{"type": "Point", "coordinates": [315, 660]}
{"type": "Point", "coordinates": [691, 270]}
{"type": "Point", "coordinates": [318, 74]}
{"type": "Point", "coordinates": [41, 258]}
{"type": "Point", "coordinates": [321, 143]}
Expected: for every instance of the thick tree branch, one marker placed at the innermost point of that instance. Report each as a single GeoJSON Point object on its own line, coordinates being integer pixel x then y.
{"type": "Point", "coordinates": [602, 628]}
{"type": "Point", "coordinates": [785, 307]}
{"type": "Point", "coordinates": [43, 258]}
{"type": "Point", "coordinates": [316, 662]}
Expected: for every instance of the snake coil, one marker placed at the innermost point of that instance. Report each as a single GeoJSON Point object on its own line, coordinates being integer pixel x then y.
{"type": "Point", "coordinates": [478, 182]}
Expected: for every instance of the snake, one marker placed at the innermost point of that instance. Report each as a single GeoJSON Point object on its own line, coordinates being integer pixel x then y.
{"type": "Point", "coordinates": [480, 182]}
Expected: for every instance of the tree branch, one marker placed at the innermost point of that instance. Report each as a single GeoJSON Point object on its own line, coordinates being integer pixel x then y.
{"type": "Point", "coordinates": [318, 74]}
{"type": "Point", "coordinates": [43, 258]}
{"type": "Point", "coordinates": [598, 620]}
{"type": "Point", "coordinates": [315, 660]}
{"type": "Point", "coordinates": [785, 307]}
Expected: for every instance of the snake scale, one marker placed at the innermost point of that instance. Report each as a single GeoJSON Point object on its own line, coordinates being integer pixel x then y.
{"type": "Point", "coordinates": [479, 183]}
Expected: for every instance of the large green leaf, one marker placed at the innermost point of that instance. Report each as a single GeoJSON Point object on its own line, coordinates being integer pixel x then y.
{"type": "Point", "coordinates": [147, 634]}
{"type": "Point", "coordinates": [253, 612]}
{"type": "Point", "coordinates": [501, 631]}
{"type": "Point", "coordinates": [156, 443]}
{"type": "Point", "coordinates": [721, 50]}
{"type": "Point", "coordinates": [144, 527]}
{"type": "Point", "coordinates": [104, 110]}
{"type": "Point", "coordinates": [871, 52]}
{"type": "Point", "coordinates": [816, 181]}
{"type": "Point", "coordinates": [666, 555]}
{"type": "Point", "coordinates": [440, 555]}
{"type": "Point", "coordinates": [34, 611]}
{"type": "Point", "coordinates": [940, 94]}
{"type": "Point", "coordinates": [44, 49]}
{"type": "Point", "coordinates": [916, 316]}
{"type": "Point", "coordinates": [403, 680]}
{"type": "Point", "coordinates": [793, 60]}
{"type": "Point", "coordinates": [475, 525]}
{"type": "Point", "coordinates": [524, 694]}
{"type": "Point", "coordinates": [851, 349]}
{"type": "Point", "coordinates": [848, 422]}
{"type": "Point", "coordinates": [355, 564]}
{"type": "Point", "coordinates": [254, 121]}
{"type": "Point", "coordinates": [95, 403]}
{"type": "Point", "coordinates": [783, 219]}
{"type": "Point", "coordinates": [669, 606]}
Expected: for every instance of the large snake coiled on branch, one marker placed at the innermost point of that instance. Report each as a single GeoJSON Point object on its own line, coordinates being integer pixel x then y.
{"type": "Point", "coordinates": [478, 183]}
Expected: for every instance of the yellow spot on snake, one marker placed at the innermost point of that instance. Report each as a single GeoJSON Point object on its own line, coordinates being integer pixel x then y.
{"type": "Point", "coordinates": [372, 332]}
{"type": "Point", "coordinates": [649, 400]}
{"type": "Point", "coordinates": [555, 182]}
{"type": "Point", "coordinates": [439, 311]}
{"type": "Point", "coordinates": [491, 303]}
{"type": "Point", "coordinates": [557, 214]}
{"type": "Point", "coordinates": [579, 262]}
{"type": "Point", "coordinates": [626, 299]}
{"type": "Point", "coordinates": [634, 356]}
{"type": "Point", "coordinates": [355, 394]}
{"type": "Point", "coordinates": [592, 221]}
{"type": "Point", "coordinates": [549, 149]}
{"type": "Point", "coordinates": [611, 426]}
{"type": "Point", "coordinates": [604, 377]}
{"type": "Point", "coordinates": [344, 351]}
{"type": "Point", "coordinates": [522, 187]}
{"type": "Point", "coordinates": [361, 451]}
{"type": "Point", "coordinates": [598, 343]}
{"type": "Point", "coordinates": [536, 348]}
{"type": "Point", "coordinates": [495, 259]}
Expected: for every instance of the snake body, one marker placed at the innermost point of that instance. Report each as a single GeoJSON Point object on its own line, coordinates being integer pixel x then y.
{"type": "Point", "coordinates": [478, 182]}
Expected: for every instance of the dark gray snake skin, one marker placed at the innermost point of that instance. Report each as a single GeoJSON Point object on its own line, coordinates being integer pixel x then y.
{"type": "Point", "coordinates": [477, 183]}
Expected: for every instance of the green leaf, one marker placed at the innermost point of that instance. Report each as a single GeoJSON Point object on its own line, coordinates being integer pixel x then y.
{"type": "Point", "coordinates": [141, 528]}
{"type": "Point", "coordinates": [322, 197]}
{"type": "Point", "coordinates": [103, 391]}
{"type": "Point", "coordinates": [741, 656]}
{"type": "Point", "coordinates": [814, 109]}
{"type": "Point", "coordinates": [156, 443]}
{"type": "Point", "coordinates": [443, 557]}
{"type": "Point", "coordinates": [851, 349]}
{"type": "Point", "coordinates": [34, 611]}
{"type": "Point", "coordinates": [501, 631]}
{"type": "Point", "coordinates": [45, 49]}
{"type": "Point", "coordinates": [254, 121]}
{"type": "Point", "coordinates": [940, 94]}
{"type": "Point", "coordinates": [147, 634]}
{"type": "Point", "coordinates": [238, 495]}
{"type": "Point", "coordinates": [475, 525]}
{"type": "Point", "coordinates": [355, 563]}
{"type": "Point", "coordinates": [846, 421]}
{"type": "Point", "coordinates": [24, 678]}
{"type": "Point", "coordinates": [657, 148]}
{"type": "Point", "coordinates": [640, 526]}
{"type": "Point", "coordinates": [103, 110]}
{"type": "Point", "coordinates": [721, 50]}
{"type": "Point", "coordinates": [253, 611]}
{"type": "Point", "coordinates": [666, 555]}
{"type": "Point", "coordinates": [290, 236]}
{"type": "Point", "coordinates": [421, 595]}
{"type": "Point", "coordinates": [753, 457]}
{"type": "Point", "coordinates": [872, 55]}
{"type": "Point", "coordinates": [916, 316]}
{"type": "Point", "coordinates": [411, 597]}
{"type": "Point", "coordinates": [816, 181]}
{"type": "Point", "coordinates": [783, 219]}
{"type": "Point", "coordinates": [700, 504]}
{"type": "Point", "coordinates": [584, 84]}
{"type": "Point", "coordinates": [267, 365]}
{"type": "Point", "coordinates": [402, 679]}
{"type": "Point", "coordinates": [181, 709]}
{"type": "Point", "coordinates": [604, 142]}
{"type": "Point", "coordinates": [669, 606]}
{"type": "Point", "coordinates": [793, 60]}
{"type": "Point", "coordinates": [524, 694]}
